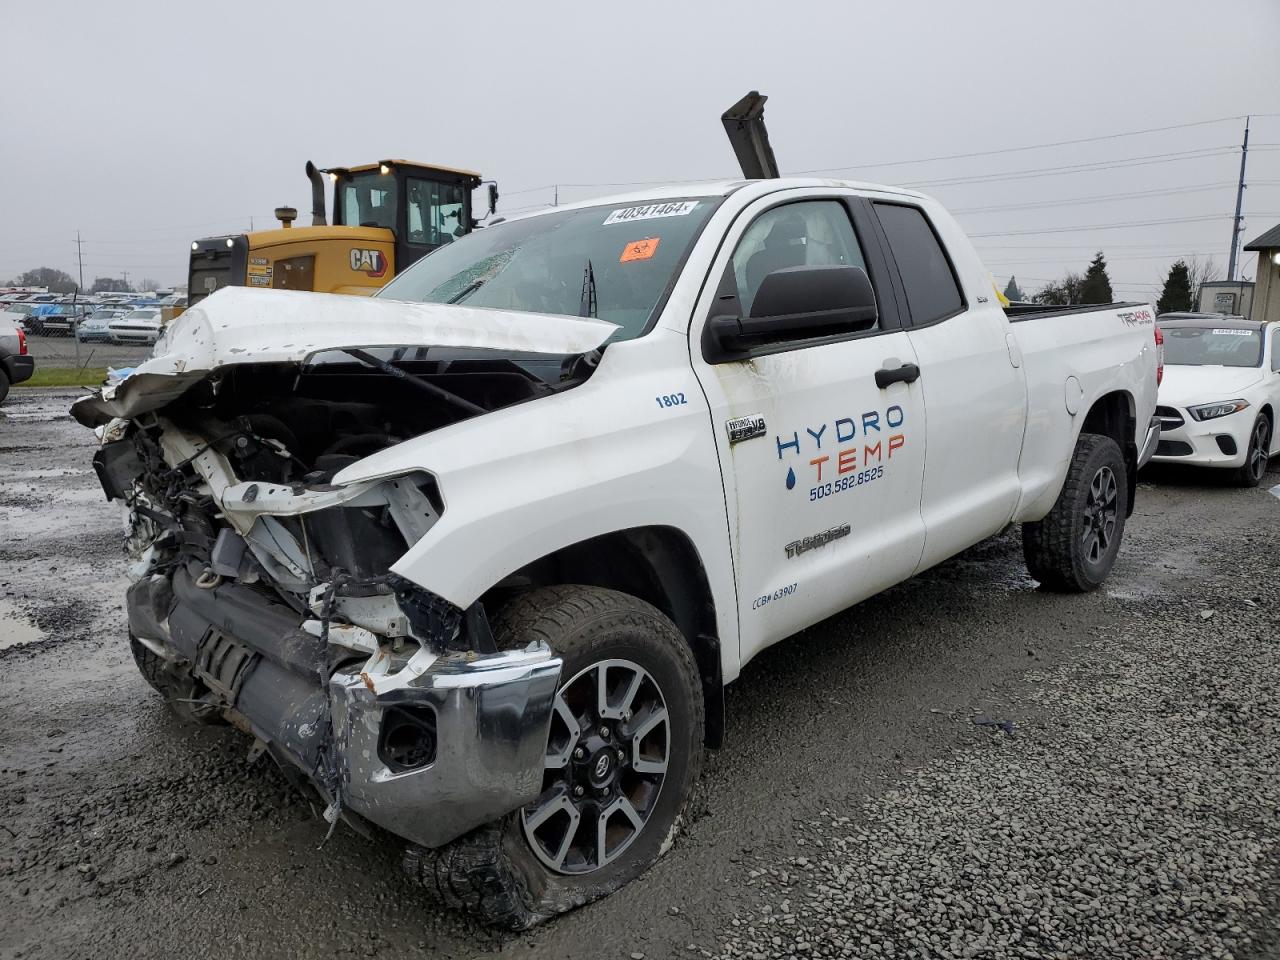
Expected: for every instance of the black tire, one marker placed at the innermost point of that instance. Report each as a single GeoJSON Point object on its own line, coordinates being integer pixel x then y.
{"type": "Point", "coordinates": [4, 385]}
{"type": "Point", "coordinates": [1074, 547]}
{"type": "Point", "coordinates": [1254, 468]}
{"type": "Point", "coordinates": [494, 873]}
{"type": "Point", "coordinates": [181, 691]}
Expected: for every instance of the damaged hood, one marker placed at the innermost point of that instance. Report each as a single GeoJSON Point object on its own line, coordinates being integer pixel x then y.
{"type": "Point", "coordinates": [239, 325]}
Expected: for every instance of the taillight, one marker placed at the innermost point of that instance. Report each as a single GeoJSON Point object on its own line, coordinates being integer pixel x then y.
{"type": "Point", "coordinates": [22, 342]}
{"type": "Point", "coordinates": [1159, 356]}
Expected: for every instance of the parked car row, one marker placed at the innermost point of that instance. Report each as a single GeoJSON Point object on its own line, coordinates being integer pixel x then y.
{"type": "Point", "coordinates": [93, 322]}
{"type": "Point", "coordinates": [88, 319]}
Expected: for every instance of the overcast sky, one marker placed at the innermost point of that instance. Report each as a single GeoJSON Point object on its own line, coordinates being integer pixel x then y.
{"type": "Point", "coordinates": [144, 125]}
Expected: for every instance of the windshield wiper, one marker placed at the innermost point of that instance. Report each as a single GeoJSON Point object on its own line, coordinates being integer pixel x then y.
{"type": "Point", "coordinates": [469, 289]}
{"type": "Point", "coordinates": [587, 307]}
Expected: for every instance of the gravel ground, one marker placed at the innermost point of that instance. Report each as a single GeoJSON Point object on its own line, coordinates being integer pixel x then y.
{"type": "Point", "coordinates": [1119, 798]}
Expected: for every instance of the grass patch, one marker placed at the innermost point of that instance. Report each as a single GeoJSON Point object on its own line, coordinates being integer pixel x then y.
{"type": "Point", "coordinates": [65, 377]}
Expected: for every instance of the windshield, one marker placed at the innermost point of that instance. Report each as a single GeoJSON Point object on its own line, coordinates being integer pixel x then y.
{"type": "Point", "coordinates": [1212, 346]}
{"type": "Point", "coordinates": [369, 200]}
{"type": "Point", "coordinates": [142, 315]}
{"type": "Point", "coordinates": [611, 262]}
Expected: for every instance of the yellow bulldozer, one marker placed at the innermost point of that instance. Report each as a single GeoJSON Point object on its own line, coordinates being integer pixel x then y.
{"type": "Point", "coordinates": [386, 215]}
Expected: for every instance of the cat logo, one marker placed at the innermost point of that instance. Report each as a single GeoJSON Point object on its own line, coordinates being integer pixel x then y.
{"type": "Point", "coordinates": [371, 263]}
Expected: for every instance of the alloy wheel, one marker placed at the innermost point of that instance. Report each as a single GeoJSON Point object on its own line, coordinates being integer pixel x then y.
{"type": "Point", "coordinates": [607, 753]}
{"type": "Point", "coordinates": [1100, 512]}
{"type": "Point", "coordinates": [1258, 449]}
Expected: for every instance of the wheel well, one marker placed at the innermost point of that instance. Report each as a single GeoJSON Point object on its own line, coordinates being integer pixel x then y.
{"type": "Point", "coordinates": [1112, 415]}
{"type": "Point", "coordinates": [660, 566]}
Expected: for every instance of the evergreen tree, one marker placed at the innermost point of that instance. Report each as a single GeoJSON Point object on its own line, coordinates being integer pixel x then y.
{"type": "Point", "coordinates": [1097, 285]}
{"type": "Point", "coordinates": [1012, 292]}
{"type": "Point", "coordinates": [1176, 294]}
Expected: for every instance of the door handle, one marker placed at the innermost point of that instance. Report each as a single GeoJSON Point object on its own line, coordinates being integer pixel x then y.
{"type": "Point", "coordinates": [907, 373]}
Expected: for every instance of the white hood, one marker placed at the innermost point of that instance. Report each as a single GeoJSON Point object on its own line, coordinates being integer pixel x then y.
{"type": "Point", "coordinates": [1186, 385]}
{"type": "Point", "coordinates": [238, 325]}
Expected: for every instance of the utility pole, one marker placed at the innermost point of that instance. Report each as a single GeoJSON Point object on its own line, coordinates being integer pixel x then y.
{"type": "Point", "coordinates": [556, 202]}
{"type": "Point", "coordinates": [126, 279]}
{"type": "Point", "coordinates": [80, 259]}
{"type": "Point", "coordinates": [1235, 223]}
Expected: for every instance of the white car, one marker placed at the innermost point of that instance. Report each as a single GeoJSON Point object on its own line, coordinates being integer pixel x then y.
{"type": "Point", "coordinates": [143, 325]}
{"type": "Point", "coordinates": [1220, 394]}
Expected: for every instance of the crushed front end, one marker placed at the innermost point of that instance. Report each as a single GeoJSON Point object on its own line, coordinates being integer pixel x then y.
{"type": "Point", "coordinates": [263, 593]}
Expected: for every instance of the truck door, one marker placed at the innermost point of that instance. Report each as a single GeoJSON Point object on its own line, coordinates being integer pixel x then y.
{"type": "Point", "coordinates": [822, 467]}
{"type": "Point", "coordinates": [974, 397]}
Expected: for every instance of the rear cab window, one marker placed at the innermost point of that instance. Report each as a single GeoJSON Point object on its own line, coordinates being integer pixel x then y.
{"type": "Point", "coordinates": [933, 294]}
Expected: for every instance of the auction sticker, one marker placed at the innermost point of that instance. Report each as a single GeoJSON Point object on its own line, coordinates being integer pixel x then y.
{"type": "Point", "coordinates": [1230, 332]}
{"type": "Point", "coordinates": [640, 250]}
{"type": "Point", "coordinates": [651, 211]}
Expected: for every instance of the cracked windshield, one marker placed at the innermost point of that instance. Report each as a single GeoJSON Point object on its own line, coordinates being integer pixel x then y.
{"type": "Point", "coordinates": [615, 263]}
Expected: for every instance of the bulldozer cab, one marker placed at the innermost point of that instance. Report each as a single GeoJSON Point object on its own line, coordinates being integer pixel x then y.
{"type": "Point", "coordinates": [386, 216]}
{"type": "Point", "coordinates": [425, 207]}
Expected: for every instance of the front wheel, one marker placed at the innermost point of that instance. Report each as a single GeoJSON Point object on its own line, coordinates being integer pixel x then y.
{"type": "Point", "coordinates": [1250, 474]}
{"type": "Point", "coordinates": [1074, 547]}
{"type": "Point", "coordinates": [623, 748]}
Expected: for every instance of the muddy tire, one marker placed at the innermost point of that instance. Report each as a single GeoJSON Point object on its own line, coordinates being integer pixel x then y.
{"type": "Point", "coordinates": [180, 690]}
{"type": "Point", "coordinates": [4, 385]}
{"type": "Point", "coordinates": [1254, 468]}
{"type": "Point", "coordinates": [1074, 547]}
{"type": "Point", "coordinates": [618, 767]}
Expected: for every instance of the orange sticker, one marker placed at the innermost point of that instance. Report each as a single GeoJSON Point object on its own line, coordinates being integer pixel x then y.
{"type": "Point", "coordinates": [640, 250]}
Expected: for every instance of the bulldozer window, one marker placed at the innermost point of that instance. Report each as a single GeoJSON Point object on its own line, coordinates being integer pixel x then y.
{"type": "Point", "coordinates": [369, 200]}
{"type": "Point", "coordinates": [436, 211]}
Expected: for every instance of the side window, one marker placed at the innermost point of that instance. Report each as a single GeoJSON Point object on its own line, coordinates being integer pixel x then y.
{"type": "Point", "coordinates": [1275, 349]}
{"type": "Point", "coordinates": [932, 292]}
{"type": "Point", "coordinates": [811, 232]}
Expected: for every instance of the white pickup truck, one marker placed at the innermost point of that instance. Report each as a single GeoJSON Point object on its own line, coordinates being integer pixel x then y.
{"type": "Point", "coordinates": [476, 557]}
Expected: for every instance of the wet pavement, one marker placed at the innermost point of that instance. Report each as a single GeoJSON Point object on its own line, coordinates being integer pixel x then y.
{"type": "Point", "coordinates": [124, 833]}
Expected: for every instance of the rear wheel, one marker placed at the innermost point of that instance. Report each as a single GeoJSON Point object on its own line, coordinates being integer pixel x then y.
{"type": "Point", "coordinates": [4, 385]}
{"type": "Point", "coordinates": [623, 748]}
{"type": "Point", "coordinates": [1250, 474]}
{"type": "Point", "coordinates": [1074, 547]}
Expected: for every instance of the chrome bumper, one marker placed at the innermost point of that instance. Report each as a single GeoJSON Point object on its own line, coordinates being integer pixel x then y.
{"type": "Point", "coordinates": [492, 714]}
{"type": "Point", "coordinates": [1149, 445]}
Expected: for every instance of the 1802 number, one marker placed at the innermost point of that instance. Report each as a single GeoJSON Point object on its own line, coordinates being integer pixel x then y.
{"type": "Point", "coordinates": [670, 399]}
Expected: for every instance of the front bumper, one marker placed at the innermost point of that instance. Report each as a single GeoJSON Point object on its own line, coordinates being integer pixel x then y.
{"type": "Point", "coordinates": [19, 367]}
{"type": "Point", "coordinates": [1221, 442]}
{"type": "Point", "coordinates": [491, 715]}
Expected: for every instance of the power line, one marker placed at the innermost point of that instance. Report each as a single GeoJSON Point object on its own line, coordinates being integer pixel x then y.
{"type": "Point", "coordinates": [1141, 161]}
{"type": "Point", "coordinates": [1102, 226]}
{"type": "Point", "coordinates": [1069, 201]}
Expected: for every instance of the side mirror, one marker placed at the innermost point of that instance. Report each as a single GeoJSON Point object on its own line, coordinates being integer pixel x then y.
{"type": "Point", "coordinates": [796, 303]}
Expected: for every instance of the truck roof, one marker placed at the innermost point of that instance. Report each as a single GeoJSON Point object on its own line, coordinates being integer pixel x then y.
{"type": "Point", "coordinates": [721, 188]}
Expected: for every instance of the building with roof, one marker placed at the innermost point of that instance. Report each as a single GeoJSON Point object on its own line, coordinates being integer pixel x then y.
{"type": "Point", "coordinates": [1266, 294]}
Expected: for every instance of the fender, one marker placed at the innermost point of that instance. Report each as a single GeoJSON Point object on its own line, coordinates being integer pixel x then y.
{"type": "Point", "coordinates": [628, 448]}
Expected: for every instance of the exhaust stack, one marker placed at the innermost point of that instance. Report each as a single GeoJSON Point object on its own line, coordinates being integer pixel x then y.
{"type": "Point", "coordinates": [744, 123]}
{"type": "Point", "coordinates": [317, 196]}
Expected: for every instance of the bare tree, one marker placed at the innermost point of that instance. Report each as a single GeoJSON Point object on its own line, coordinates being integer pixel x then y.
{"type": "Point", "coordinates": [1063, 293]}
{"type": "Point", "coordinates": [1201, 271]}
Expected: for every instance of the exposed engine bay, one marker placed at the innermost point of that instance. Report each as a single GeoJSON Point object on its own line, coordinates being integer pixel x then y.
{"type": "Point", "coordinates": [263, 588]}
